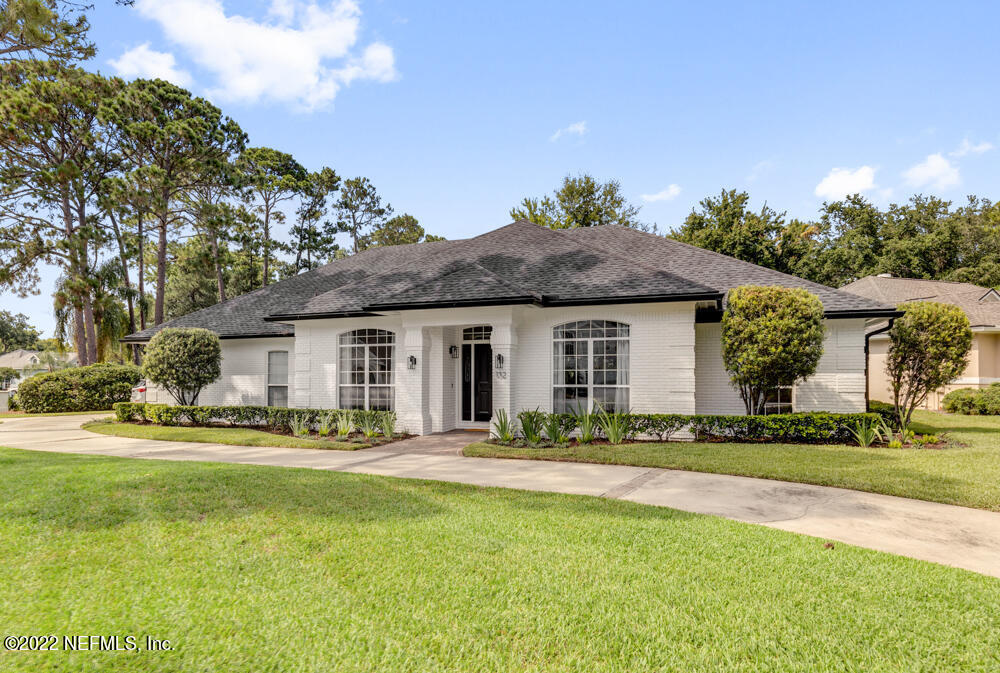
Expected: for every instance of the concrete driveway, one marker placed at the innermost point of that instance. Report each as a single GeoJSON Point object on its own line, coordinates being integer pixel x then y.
{"type": "Point", "coordinates": [956, 536]}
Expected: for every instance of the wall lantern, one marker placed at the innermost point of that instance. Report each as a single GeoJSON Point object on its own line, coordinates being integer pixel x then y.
{"type": "Point", "coordinates": [453, 352]}
{"type": "Point", "coordinates": [411, 362]}
{"type": "Point", "coordinates": [499, 360]}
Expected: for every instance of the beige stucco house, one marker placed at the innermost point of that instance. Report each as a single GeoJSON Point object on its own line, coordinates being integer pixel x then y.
{"type": "Point", "coordinates": [981, 305]}
{"type": "Point", "coordinates": [27, 363]}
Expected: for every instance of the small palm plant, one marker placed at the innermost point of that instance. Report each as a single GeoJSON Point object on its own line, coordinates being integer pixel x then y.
{"type": "Point", "coordinates": [614, 425]}
{"type": "Point", "coordinates": [345, 423]}
{"type": "Point", "coordinates": [368, 424]}
{"type": "Point", "coordinates": [299, 425]}
{"type": "Point", "coordinates": [531, 425]}
{"type": "Point", "coordinates": [867, 432]}
{"type": "Point", "coordinates": [586, 422]}
{"type": "Point", "coordinates": [553, 427]}
{"type": "Point", "coordinates": [327, 422]}
{"type": "Point", "coordinates": [504, 430]}
{"type": "Point", "coordinates": [388, 422]}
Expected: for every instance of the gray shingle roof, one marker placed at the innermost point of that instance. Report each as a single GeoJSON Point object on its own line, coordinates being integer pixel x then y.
{"type": "Point", "coordinates": [518, 263]}
{"type": "Point", "coordinates": [981, 304]}
{"type": "Point", "coordinates": [715, 270]}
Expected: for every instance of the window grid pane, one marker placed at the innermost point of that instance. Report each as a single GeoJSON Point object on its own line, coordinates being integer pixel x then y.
{"type": "Point", "coordinates": [365, 371]}
{"type": "Point", "coordinates": [590, 366]}
{"type": "Point", "coordinates": [478, 333]}
{"type": "Point", "coordinates": [277, 396]}
{"type": "Point", "coordinates": [277, 367]}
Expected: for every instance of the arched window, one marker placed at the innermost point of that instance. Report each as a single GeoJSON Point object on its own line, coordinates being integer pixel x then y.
{"type": "Point", "coordinates": [590, 366]}
{"type": "Point", "coordinates": [365, 372]}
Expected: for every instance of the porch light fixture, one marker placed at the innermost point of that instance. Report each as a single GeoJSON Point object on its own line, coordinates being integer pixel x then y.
{"type": "Point", "coordinates": [499, 360]}
{"type": "Point", "coordinates": [411, 362]}
{"type": "Point", "coordinates": [453, 352]}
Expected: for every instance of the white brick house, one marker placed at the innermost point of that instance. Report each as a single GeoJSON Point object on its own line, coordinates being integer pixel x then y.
{"type": "Point", "coordinates": [447, 333]}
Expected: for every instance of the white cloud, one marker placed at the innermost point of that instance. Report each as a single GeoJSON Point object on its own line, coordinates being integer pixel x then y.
{"type": "Point", "coordinates": [841, 182]}
{"type": "Point", "coordinates": [146, 63]}
{"type": "Point", "coordinates": [302, 53]}
{"type": "Point", "coordinates": [577, 129]}
{"type": "Point", "coordinates": [668, 194]}
{"type": "Point", "coordinates": [968, 148]}
{"type": "Point", "coordinates": [934, 171]}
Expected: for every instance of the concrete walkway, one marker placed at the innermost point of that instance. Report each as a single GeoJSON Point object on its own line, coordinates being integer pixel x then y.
{"type": "Point", "coordinates": [956, 536]}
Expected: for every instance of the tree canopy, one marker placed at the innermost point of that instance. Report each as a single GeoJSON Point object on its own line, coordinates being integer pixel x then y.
{"type": "Point", "coordinates": [183, 361]}
{"type": "Point", "coordinates": [581, 201]}
{"type": "Point", "coordinates": [771, 337]}
{"type": "Point", "coordinates": [928, 348]}
{"type": "Point", "coordinates": [33, 29]}
{"type": "Point", "coordinates": [16, 332]}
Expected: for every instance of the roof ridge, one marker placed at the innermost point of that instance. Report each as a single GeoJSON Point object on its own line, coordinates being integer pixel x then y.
{"type": "Point", "coordinates": [461, 267]}
{"type": "Point", "coordinates": [629, 260]}
{"type": "Point", "coordinates": [880, 278]}
{"type": "Point", "coordinates": [728, 258]}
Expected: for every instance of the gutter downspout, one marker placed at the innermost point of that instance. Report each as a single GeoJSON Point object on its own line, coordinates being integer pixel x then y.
{"type": "Point", "coordinates": [868, 336]}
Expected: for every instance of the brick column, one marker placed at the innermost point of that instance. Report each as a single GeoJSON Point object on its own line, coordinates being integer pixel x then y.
{"type": "Point", "coordinates": [503, 341]}
{"type": "Point", "coordinates": [412, 385]}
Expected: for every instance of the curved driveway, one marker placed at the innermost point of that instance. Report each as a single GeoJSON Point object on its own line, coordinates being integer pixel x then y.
{"type": "Point", "coordinates": [957, 536]}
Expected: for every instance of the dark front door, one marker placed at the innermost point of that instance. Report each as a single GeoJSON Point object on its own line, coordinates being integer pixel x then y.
{"type": "Point", "coordinates": [477, 382]}
{"type": "Point", "coordinates": [483, 382]}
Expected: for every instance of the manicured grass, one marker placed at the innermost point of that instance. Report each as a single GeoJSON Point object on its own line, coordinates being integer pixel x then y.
{"type": "Point", "coordinates": [233, 436]}
{"type": "Point", "coordinates": [967, 473]}
{"type": "Point", "coordinates": [274, 569]}
{"type": "Point", "coordinates": [24, 414]}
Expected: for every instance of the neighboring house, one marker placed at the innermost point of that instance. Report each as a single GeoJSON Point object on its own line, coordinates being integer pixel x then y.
{"type": "Point", "coordinates": [28, 363]}
{"type": "Point", "coordinates": [521, 317]}
{"type": "Point", "coordinates": [981, 305]}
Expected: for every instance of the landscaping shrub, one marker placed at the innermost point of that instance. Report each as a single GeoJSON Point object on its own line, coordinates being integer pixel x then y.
{"type": "Point", "coordinates": [928, 347]}
{"type": "Point", "coordinates": [183, 361]}
{"type": "Point", "coordinates": [962, 401]}
{"type": "Point", "coordinates": [801, 428]}
{"type": "Point", "coordinates": [771, 337]}
{"type": "Point", "coordinates": [277, 418]}
{"type": "Point", "coordinates": [93, 388]}
{"type": "Point", "coordinates": [809, 427]}
{"type": "Point", "coordinates": [886, 411]}
{"type": "Point", "coordinates": [988, 400]}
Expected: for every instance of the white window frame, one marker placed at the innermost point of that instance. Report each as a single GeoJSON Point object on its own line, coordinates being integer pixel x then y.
{"type": "Point", "coordinates": [367, 385]}
{"type": "Point", "coordinates": [267, 376]}
{"type": "Point", "coordinates": [590, 341]}
{"type": "Point", "coordinates": [790, 403]}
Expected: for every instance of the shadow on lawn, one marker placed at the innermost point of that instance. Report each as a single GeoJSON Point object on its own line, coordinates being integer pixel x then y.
{"type": "Point", "coordinates": [89, 493]}
{"type": "Point", "coordinates": [76, 492]}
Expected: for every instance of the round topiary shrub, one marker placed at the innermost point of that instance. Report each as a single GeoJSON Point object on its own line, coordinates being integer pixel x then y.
{"type": "Point", "coordinates": [988, 400]}
{"type": "Point", "coordinates": [93, 388]}
{"type": "Point", "coordinates": [961, 401]}
{"type": "Point", "coordinates": [183, 361]}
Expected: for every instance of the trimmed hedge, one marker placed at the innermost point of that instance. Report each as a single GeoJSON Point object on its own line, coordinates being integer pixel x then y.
{"type": "Point", "coordinates": [279, 418]}
{"type": "Point", "coordinates": [886, 411]}
{"type": "Point", "coordinates": [93, 388]}
{"type": "Point", "coordinates": [800, 428]}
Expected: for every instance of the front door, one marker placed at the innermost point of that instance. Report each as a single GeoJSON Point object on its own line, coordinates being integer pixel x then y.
{"type": "Point", "coordinates": [477, 382]}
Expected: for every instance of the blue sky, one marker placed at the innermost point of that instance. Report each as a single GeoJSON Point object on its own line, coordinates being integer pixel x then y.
{"type": "Point", "coordinates": [458, 110]}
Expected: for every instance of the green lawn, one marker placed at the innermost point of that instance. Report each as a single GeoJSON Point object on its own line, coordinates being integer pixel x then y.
{"type": "Point", "coordinates": [967, 473]}
{"type": "Point", "coordinates": [275, 569]}
{"type": "Point", "coordinates": [233, 436]}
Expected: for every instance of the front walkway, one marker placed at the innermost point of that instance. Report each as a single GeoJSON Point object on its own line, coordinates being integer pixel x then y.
{"type": "Point", "coordinates": [956, 536]}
